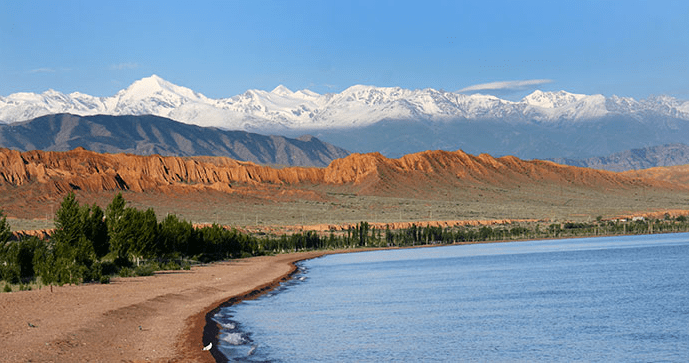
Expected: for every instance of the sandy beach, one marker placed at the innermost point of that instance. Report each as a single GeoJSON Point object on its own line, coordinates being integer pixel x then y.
{"type": "Point", "coordinates": [158, 318]}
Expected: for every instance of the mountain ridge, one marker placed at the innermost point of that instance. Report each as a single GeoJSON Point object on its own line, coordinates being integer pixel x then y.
{"type": "Point", "coordinates": [372, 174]}
{"type": "Point", "coordinates": [357, 105]}
{"type": "Point", "coordinates": [432, 185]}
{"type": "Point", "coordinates": [635, 159]}
{"type": "Point", "coordinates": [397, 121]}
{"type": "Point", "coordinates": [147, 135]}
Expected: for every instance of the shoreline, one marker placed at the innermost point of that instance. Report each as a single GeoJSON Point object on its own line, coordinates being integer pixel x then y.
{"type": "Point", "coordinates": [211, 329]}
{"type": "Point", "coordinates": [160, 318]}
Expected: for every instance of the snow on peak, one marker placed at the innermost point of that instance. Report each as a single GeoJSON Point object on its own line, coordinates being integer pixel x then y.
{"type": "Point", "coordinates": [154, 85]}
{"type": "Point", "coordinates": [552, 99]}
{"type": "Point", "coordinates": [147, 85]}
{"type": "Point", "coordinates": [281, 91]}
{"type": "Point", "coordinates": [358, 105]}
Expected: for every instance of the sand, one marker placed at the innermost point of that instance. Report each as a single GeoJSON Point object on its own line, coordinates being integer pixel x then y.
{"type": "Point", "coordinates": [158, 318]}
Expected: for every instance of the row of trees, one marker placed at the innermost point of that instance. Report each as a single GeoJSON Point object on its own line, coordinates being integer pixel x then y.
{"type": "Point", "coordinates": [90, 244]}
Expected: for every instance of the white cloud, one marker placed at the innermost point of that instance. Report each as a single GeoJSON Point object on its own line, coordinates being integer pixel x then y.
{"type": "Point", "coordinates": [123, 66]}
{"type": "Point", "coordinates": [42, 70]}
{"type": "Point", "coordinates": [505, 85]}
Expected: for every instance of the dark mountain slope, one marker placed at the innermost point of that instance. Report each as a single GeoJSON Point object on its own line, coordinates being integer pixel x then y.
{"type": "Point", "coordinates": [147, 135]}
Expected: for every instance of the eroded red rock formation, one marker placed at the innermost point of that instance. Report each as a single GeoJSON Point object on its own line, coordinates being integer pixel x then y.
{"type": "Point", "coordinates": [373, 173]}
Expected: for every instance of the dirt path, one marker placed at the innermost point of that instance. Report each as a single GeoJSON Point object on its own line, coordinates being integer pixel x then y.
{"type": "Point", "coordinates": [158, 318]}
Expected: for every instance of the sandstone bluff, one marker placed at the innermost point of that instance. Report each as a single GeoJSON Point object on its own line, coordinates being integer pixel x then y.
{"type": "Point", "coordinates": [80, 169]}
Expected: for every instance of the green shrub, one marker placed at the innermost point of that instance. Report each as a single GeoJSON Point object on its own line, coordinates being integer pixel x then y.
{"type": "Point", "coordinates": [105, 279]}
{"type": "Point", "coordinates": [145, 270]}
{"type": "Point", "coordinates": [171, 265]}
{"type": "Point", "coordinates": [7, 288]}
{"type": "Point", "coordinates": [126, 272]}
{"type": "Point", "coordinates": [94, 273]}
{"type": "Point", "coordinates": [186, 265]}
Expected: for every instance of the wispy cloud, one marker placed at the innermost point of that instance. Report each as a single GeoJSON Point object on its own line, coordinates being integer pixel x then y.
{"type": "Point", "coordinates": [505, 85]}
{"type": "Point", "coordinates": [41, 70]}
{"type": "Point", "coordinates": [123, 66]}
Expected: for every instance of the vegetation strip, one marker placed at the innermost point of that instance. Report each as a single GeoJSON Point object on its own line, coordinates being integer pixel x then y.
{"type": "Point", "coordinates": [89, 244]}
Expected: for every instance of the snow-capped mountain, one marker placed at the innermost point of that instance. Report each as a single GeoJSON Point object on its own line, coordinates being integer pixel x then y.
{"type": "Point", "coordinates": [357, 106]}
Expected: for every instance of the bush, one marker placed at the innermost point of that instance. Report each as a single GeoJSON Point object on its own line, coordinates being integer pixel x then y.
{"type": "Point", "coordinates": [126, 272]}
{"type": "Point", "coordinates": [10, 273]}
{"type": "Point", "coordinates": [145, 270]}
{"type": "Point", "coordinates": [171, 265]}
{"type": "Point", "coordinates": [186, 265]}
{"type": "Point", "coordinates": [94, 273]}
{"type": "Point", "coordinates": [105, 279]}
{"type": "Point", "coordinates": [7, 288]}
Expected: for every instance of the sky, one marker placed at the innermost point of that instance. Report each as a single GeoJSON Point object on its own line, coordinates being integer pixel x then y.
{"type": "Point", "coordinates": [223, 48]}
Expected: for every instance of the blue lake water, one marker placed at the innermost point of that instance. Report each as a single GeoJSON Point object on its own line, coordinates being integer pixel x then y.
{"type": "Point", "coordinates": [595, 299]}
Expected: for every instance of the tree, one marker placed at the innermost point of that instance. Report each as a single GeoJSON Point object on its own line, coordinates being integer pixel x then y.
{"type": "Point", "coordinates": [73, 251]}
{"type": "Point", "coordinates": [45, 265]}
{"type": "Point", "coordinates": [96, 230]}
{"type": "Point", "coordinates": [363, 233]}
{"type": "Point", "coordinates": [134, 234]}
{"type": "Point", "coordinates": [5, 232]}
{"type": "Point", "coordinates": [114, 212]}
{"type": "Point", "coordinates": [177, 237]}
{"type": "Point", "coordinates": [116, 229]}
{"type": "Point", "coordinates": [145, 243]}
{"type": "Point", "coordinates": [68, 225]}
{"type": "Point", "coordinates": [10, 270]}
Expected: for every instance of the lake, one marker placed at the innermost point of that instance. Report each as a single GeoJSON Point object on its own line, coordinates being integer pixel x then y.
{"type": "Point", "coordinates": [593, 299]}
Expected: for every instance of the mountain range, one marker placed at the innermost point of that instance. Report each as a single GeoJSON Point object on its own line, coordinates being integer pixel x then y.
{"type": "Point", "coordinates": [147, 135]}
{"type": "Point", "coordinates": [635, 159]}
{"type": "Point", "coordinates": [396, 121]}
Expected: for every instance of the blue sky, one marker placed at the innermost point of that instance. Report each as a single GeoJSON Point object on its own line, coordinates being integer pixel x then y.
{"type": "Point", "coordinates": [223, 48]}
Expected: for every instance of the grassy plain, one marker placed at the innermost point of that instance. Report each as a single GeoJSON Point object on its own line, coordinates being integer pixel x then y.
{"type": "Point", "coordinates": [273, 206]}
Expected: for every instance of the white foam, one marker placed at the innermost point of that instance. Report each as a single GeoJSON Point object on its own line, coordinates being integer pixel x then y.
{"type": "Point", "coordinates": [233, 339]}
{"type": "Point", "coordinates": [228, 326]}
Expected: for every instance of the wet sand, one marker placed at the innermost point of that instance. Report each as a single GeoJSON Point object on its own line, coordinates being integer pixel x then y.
{"type": "Point", "coordinates": [158, 318]}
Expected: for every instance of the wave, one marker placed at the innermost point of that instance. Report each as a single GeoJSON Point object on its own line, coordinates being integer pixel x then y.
{"type": "Point", "coordinates": [233, 338]}
{"type": "Point", "coordinates": [228, 326]}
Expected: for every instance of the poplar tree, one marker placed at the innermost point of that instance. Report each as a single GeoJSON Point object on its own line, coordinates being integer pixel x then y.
{"type": "Point", "coordinates": [73, 250]}
{"type": "Point", "coordinates": [117, 231]}
{"type": "Point", "coordinates": [5, 232]}
{"type": "Point", "coordinates": [96, 230]}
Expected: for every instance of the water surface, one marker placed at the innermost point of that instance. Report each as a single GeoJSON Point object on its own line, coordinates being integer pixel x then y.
{"type": "Point", "coordinates": [594, 299]}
